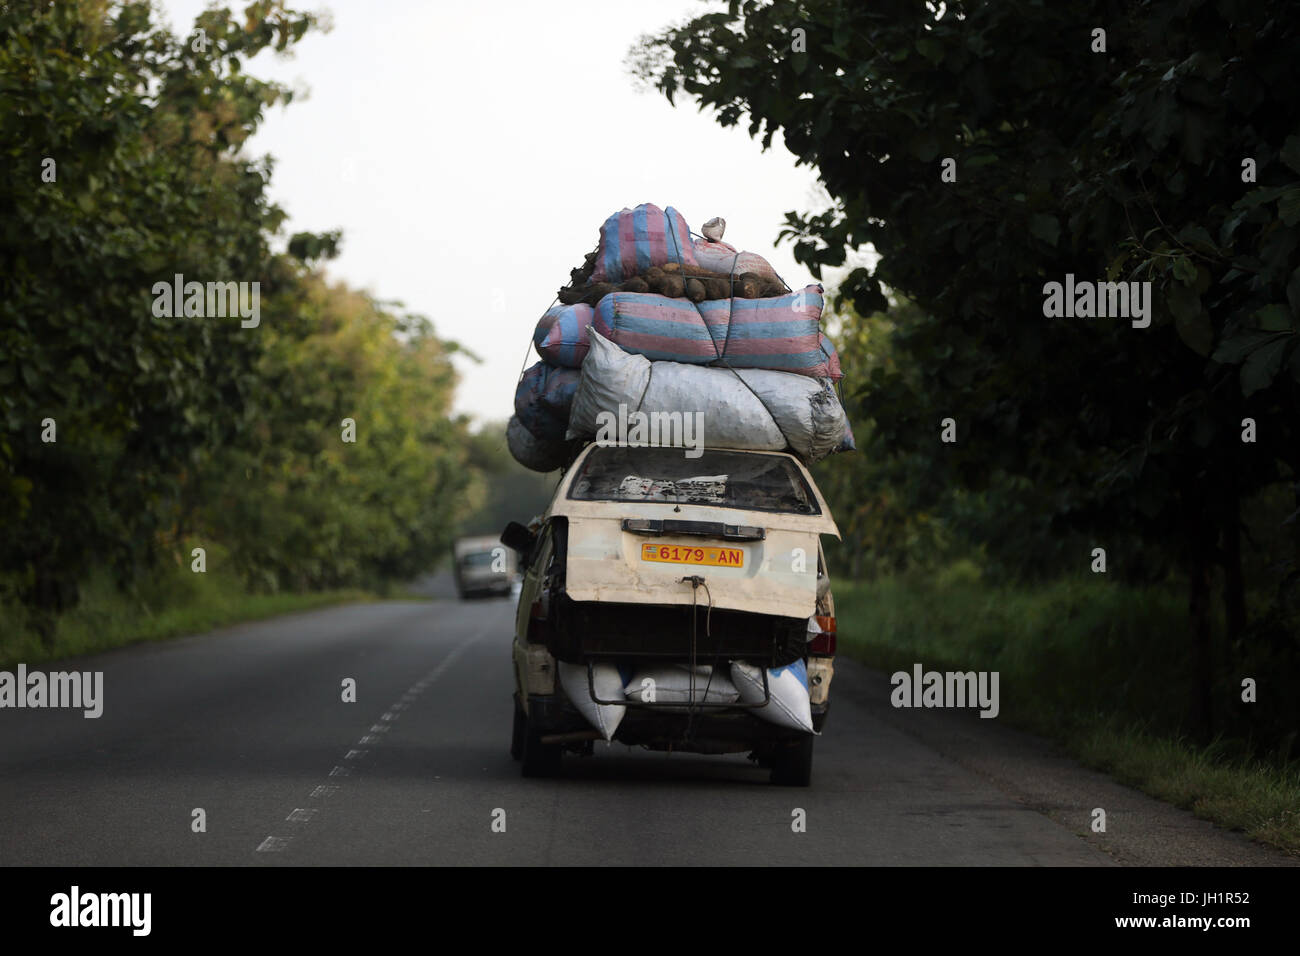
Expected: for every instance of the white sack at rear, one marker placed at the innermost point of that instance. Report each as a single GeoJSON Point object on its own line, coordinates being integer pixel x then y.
{"type": "Point", "coordinates": [609, 686]}
{"type": "Point", "coordinates": [758, 409]}
{"type": "Point", "coordinates": [672, 684]}
{"type": "Point", "coordinates": [788, 704]}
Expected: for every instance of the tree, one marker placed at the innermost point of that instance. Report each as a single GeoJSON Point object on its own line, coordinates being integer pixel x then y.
{"type": "Point", "coordinates": [121, 144]}
{"type": "Point", "coordinates": [1127, 164]}
{"type": "Point", "coordinates": [514, 493]}
{"type": "Point", "coordinates": [353, 470]}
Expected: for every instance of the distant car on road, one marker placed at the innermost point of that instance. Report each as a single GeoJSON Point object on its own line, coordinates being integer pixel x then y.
{"type": "Point", "coordinates": [482, 566]}
{"type": "Point", "coordinates": [648, 562]}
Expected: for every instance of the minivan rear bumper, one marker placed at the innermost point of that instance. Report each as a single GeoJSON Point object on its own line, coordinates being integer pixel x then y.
{"type": "Point", "coordinates": [705, 731]}
{"type": "Point", "coordinates": [584, 630]}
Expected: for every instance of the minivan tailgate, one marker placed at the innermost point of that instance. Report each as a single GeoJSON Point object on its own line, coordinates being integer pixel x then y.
{"type": "Point", "coordinates": [744, 568]}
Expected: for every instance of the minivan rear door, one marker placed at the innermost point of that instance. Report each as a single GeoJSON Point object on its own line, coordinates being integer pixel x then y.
{"type": "Point", "coordinates": [737, 529]}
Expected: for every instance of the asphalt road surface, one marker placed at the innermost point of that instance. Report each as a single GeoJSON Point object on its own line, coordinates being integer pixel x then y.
{"type": "Point", "coordinates": [249, 726]}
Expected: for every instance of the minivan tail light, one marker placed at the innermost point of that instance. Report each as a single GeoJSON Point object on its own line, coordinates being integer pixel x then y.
{"type": "Point", "coordinates": [538, 626]}
{"type": "Point", "coordinates": [821, 629]}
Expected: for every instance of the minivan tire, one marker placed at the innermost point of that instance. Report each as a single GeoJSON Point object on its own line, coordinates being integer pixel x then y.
{"type": "Point", "coordinates": [517, 735]}
{"type": "Point", "coordinates": [792, 766]}
{"type": "Point", "coordinates": [538, 759]}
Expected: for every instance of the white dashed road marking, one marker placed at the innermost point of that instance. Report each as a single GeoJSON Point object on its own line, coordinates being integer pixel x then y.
{"type": "Point", "coordinates": [301, 816]}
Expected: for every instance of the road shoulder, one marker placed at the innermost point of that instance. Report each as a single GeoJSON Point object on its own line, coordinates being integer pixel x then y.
{"type": "Point", "coordinates": [1140, 830]}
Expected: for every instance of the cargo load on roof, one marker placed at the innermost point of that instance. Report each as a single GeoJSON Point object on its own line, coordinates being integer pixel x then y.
{"type": "Point", "coordinates": [679, 324]}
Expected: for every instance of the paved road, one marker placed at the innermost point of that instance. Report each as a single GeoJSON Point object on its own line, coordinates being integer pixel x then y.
{"type": "Point", "coordinates": [248, 724]}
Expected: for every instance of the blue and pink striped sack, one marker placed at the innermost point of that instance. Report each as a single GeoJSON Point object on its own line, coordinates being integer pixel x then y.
{"type": "Point", "coordinates": [780, 333]}
{"type": "Point", "coordinates": [726, 259]}
{"type": "Point", "coordinates": [561, 334]}
{"type": "Point", "coordinates": [542, 400]}
{"type": "Point", "coordinates": [832, 358]}
{"type": "Point", "coordinates": [633, 240]}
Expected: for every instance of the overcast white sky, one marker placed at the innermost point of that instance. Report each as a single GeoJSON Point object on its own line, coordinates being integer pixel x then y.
{"type": "Point", "coordinates": [471, 150]}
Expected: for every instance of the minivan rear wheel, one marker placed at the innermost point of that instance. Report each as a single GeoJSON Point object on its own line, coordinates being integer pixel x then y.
{"type": "Point", "coordinates": [539, 759]}
{"type": "Point", "coordinates": [792, 766]}
{"type": "Point", "coordinates": [517, 734]}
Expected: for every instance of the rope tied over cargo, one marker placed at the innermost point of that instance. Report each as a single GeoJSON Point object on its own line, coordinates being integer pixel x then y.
{"type": "Point", "coordinates": [720, 361]}
{"type": "Point", "coordinates": [731, 303]}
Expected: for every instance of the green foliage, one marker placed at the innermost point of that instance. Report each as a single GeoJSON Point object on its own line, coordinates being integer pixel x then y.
{"type": "Point", "coordinates": [144, 133]}
{"type": "Point", "coordinates": [884, 501]}
{"type": "Point", "coordinates": [514, 493]}
{"type": "Point", "coordinates": [297, 504]}
{"type": "Point", "coordinates": [173, 429]}
{"type": "Point", "coordinates": [309, 246]}
{"type": "Point", "coordinates": [899, 508]}
{"type": "Point", "coordinates": [172, 601]}
{"type": "Point", "coordinates": [1100, 667]}
{"type": "Point", "coordinates": [1066, 650]}
{"type": "Point", "coordinates": [1068, 161]}
{"type": "Point", "coordinates": [1125, 165]}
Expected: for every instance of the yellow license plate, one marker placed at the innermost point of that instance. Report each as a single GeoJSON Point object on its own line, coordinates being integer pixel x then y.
{"type": "Point", "coordinates": [686, 554]}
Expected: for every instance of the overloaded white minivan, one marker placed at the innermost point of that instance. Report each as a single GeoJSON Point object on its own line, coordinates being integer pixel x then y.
{"type": "Point", "coordinates": [675, 603]}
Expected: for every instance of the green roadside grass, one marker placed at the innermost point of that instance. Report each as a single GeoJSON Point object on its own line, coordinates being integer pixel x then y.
{"type": "Point", "coordinates": [174, 603]}
{"type": "Point", "coordinates": [1101, 668]}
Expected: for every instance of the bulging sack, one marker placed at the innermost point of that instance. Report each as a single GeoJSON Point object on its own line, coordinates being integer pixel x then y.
{"type": "Point", "coordinates": [609, 686]}
{"type": "Point", "coordinates": [633, 240]}
{"type": "Point", "coordinates": [724, 258]}
{"type": "Point", "coordinates": [542, 400]}
{"type": "Point", "coordinates": [533, 452]}
{"type": "Point", "coordinates": [788, 702]}
{"type": "Point", "coordinates": [671, 684]}
{"type": "Point", "coordinates": [780, 333]}
{"type": "Point", "coordinates": [756, 409]}
{"type": "Point", "coordinates": [561, 334]}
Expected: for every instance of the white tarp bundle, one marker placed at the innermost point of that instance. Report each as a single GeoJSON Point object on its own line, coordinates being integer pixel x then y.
{"type": "Point", "coordinates": [609, 686]}
{"type": "Point", "coordinates": [669, 686]}
{"type": "Point", "coordinates": [671, 683]}
{"type": "Point", "coordinates": [787, 687]}
{"type": "Point", "coordinates": [750, 408]}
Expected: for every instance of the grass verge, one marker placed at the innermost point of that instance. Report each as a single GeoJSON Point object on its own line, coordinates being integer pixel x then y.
{"type": "Point", "coordinates": [1101, 668]}
{"type": "Point", "coordinates": [174, 603]}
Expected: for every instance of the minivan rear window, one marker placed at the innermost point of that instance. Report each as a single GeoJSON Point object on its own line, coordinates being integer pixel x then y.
{"type": "Point", "coordinates": [719, 479]}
